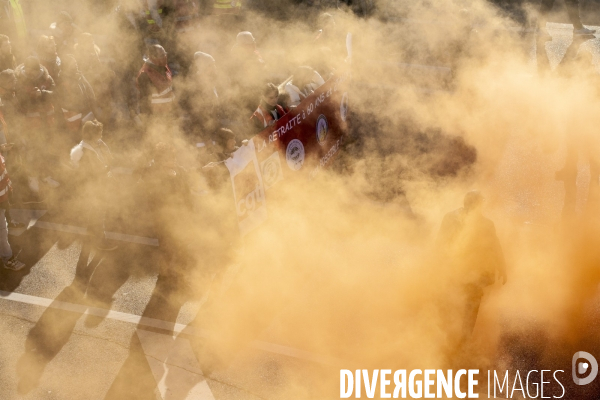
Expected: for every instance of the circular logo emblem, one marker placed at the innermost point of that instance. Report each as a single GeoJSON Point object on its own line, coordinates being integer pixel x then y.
{"type": "Point", "coordinates": [294, 154]}
{"type": "Point", "coordinates": [322, 129]}
{"type": "Point", "coordinates": [344, 107]}
{"type": "Point", "coordinates": [270, 171]}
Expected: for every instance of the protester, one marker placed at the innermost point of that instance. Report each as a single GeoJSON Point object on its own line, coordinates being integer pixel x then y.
{"type": "Point", "coordinates": [87, 54]}
{"type": "Point", "coordinates": [155, 83]}
{"type": "Point", "coordinates": [34, 93]}
{"type": "Point", "coordinates": [7, 59]}
{"type": "Point", "coordinates": [46, 52]}
{"type": "Point", "coordinates": [6, 254]}
{"type": "Point", "coordinates": [284, 101]}
{"type": "Point", "coordinates": [92, 159]}
{"type": "Point", "coordinates": [167, 196]}
{"type": "Point", "coordinates": [199, 100]}
{"type": "Point", "coordinates": [75, 96]}
{"type": "Point", "coordinates": [64, 32]}
{"type": "Point", "coordinates": [327, 29]}
{"type": "Point", "coordinates": [8, 115]}
{"type": "Point", "coordinates": [245, 49]}
{"type": "Point", "coordinates": [268, 111]}
{"type": "Point", "coordinates": [468, 241]}
{"type": "Point", "coordinates": [247, 73]}
{"type": "Point", "coordinates": [8, 83]}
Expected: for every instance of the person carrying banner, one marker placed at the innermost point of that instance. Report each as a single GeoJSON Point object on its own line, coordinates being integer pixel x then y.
{"type": "Point", "coordinates": [268, 111]}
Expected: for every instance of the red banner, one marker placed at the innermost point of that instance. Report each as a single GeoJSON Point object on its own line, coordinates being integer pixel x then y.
{"type": "Point", "coordinates": [303, 141]}
{"type": "Point", "coordinates": [309, 135]}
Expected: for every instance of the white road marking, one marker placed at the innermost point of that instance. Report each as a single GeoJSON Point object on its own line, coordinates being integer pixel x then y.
{"type": "Point", "coordinates": [60, 227]}
{"type": "Point", "coordinates": [164, 325]}
{"type": "Point", "coordinates": [174, 367]}
{"type": "Point", "coordinates": [26, 216]}
{"type": "Point", "coordinates": [31, 219]}
{"type": "Point", "coordinates": [132, 238]}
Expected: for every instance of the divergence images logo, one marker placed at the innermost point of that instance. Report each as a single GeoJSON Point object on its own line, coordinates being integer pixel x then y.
{"type": "Point", "coordinates": [584, 367]}
{"type": "Point", "coordinates": [294, 155]}
{"type": "Point", "coordinates": [322, 129]}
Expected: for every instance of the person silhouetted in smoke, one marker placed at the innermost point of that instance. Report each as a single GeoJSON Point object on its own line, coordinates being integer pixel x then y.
{"type": "Point", "coordinates": [8, 83]}
{"type": "Point", "coordinates": [217, 174]}
{"type": "Point", "coordinates": [155, 84]}
{"type": "Point", "coordinates": [35, 92]}
{"type": "Point", "coordinates": [225, 144]}
{"type": "Point", "coordinates": [65, 33]}
{"type": "Point", "coordinates": [46, 52]}
{"type": "Point", "coordinates": [166, 190]}
{"type": "Point", "coordinates": [100, 76]}
{"type": "Point", "coordinates": [574, 16]}
{"type": "Point", "coordinates": [199, 99]}
{"type": "Point", "coordinates": [7, 59]}
{"type": "Point", "coordinates": [327, 28]}
{"type": "Point", "coordinates": [76, 98]}
{"type": "Point", "coordinates": [469, 243]}
{"type": "Point", "coordinates": [268, 111]}
{"type": "Point", "coordinates": [8, 130]}
{"type": "Point", "coordinates": [92, 159]}
{"type": "Point", "coordinates": [245, 52]}
{"type": "Point", "coordinates": [6, 253]}
{"type": "Point", "coordinates": [247, 73]}
{"type": "Point", "coordinates": [330, 36]}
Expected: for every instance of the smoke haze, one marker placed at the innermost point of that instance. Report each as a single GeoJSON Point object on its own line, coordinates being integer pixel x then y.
{"type": "Point", "coordinates": [347, 264]}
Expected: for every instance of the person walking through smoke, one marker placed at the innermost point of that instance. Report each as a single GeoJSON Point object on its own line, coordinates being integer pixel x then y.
{"type": "Point", "coordinates": [91, 159]}
{"type": "Point", "coordinates": [469, 242]}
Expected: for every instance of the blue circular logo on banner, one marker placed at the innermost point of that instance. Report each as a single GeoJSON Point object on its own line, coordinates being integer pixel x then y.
{"type": "Point", "coordinates": [322, 129]}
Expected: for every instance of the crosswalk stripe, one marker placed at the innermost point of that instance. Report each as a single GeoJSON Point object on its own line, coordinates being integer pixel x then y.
{"type": "Point", "coordinates": [60, 227]}
{"type": "Point", "coordinates": [174, 367]}
{"type": "Point", "coordinates": [176, 328]}
{"type": "Point", "coordinates": [31, 218]}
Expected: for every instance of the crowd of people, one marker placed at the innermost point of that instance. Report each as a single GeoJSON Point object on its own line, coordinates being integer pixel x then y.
{"type": "Point", "coordinates": [60, 95]}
